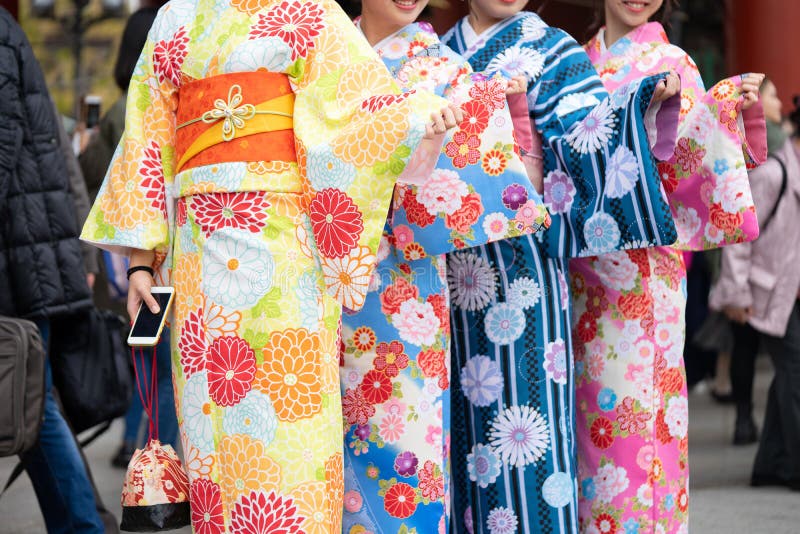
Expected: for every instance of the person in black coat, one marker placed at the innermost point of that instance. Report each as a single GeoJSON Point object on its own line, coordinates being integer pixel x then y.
{"type": "Point", "coordinates": [42, 272]}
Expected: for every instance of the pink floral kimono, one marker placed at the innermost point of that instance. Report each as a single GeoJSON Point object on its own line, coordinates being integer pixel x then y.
{"type": "Point", "coordinates": [629, 323]}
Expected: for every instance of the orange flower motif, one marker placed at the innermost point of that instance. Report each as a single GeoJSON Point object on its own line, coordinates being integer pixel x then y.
{"type": "Point", "coordinates": [245, 467]}
{"type": "Point", "coordinates": [348, 278]}
{"type": "Point", "coordinates": [687, 104]}
{"type": "Point", "coordinates": [124, 202]}
{"type": "Point", "coordinates": [723, 90]}
{"type": "Point", "coordinates": [218, 324]}
{"type": "Point", "coordinates": [494, 162]}
{"type": "Point", "coordinates": [251, 7]}
{"type": "Point", "coordinates": [360, 82]}
{"type": "Point", "coordinates": [370, 139]}
{"type": "Point", "coordinates": [334, 486]}
{"type": "Point", "coordinates": [364, 338]}
{"type": "Point", "coordinates": [198, 466]}
{"type": "Point", "coordinates": [329, 360]}
{"type": "Point", "coordinates": [328, 55]}
{"type": "Point", "coordinates": [289, 376]}
{"type": "Point", "coordinates": [414, 251]}
{"type": "Point", "coordinates": [312, 503]}
{"type": "Point", "coordinates": [158, 124]}
{"type": "Point", "coordinates": [266, 167]}
{"type": "Point", "coordinates": [186, 278]}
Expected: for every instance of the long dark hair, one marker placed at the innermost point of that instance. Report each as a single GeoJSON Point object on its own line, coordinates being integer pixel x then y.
{"type": "Point", "coordinates": [662, 15]}
{"type": "Point", "coordinates": [130, 46]}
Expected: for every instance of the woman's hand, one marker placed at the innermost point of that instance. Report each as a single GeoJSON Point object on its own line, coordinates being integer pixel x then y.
{"type": "Point", "coordinates": [667, 88]}
{"type": "Point", "coordinates": [751, 85]}
{"type": "Point", "coordinates": [443, 120]}
{"type": "Point", "coordinates": [517, 85]}
{"type": "Point", "coordinates": [140, 283]}
{"type": "Point", "coordinates": [737, 314]}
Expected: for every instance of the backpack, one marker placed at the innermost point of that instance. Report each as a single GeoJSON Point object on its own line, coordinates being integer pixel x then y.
{"type": "Point", "coordinates": [91, 368]}
{"type": "Point", "coordinates": [22, 385]}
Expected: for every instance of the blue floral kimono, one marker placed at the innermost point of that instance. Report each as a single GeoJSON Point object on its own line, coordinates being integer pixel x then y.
{"type": "Point", "coordinates": [395, 376]}
{"type": "Point", "coordinates": [513, 447]}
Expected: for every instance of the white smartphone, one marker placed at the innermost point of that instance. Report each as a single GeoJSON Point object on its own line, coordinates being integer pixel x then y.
{"type": "Point", "coordinates": [147, 327]}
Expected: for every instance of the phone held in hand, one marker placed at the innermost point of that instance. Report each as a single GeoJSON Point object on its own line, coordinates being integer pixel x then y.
{"type": "Point", "coordinates": [91, 104]}
{"type": "Point", "coordinates": [147, 327]}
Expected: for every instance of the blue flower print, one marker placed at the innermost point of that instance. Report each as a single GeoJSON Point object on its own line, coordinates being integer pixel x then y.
{"type": "Point", "coordinates": [557, 489]}
{"type": "Point", "coordinates": [601, 233]}
{"type": "Point", "coordinates": [254, 416]}
{"type": "Point", "coordinates": [481, 380]}
{"type": "Point", "coordinates": [669, 502]}
{"type": "Point", "coordinates": [504, 323]}
{"type": "Point", "coordinates": [483, 465]}
{"type": "Point", "coordinates": [606, 399]}
{"type": "Point", "coordinates": [631, 526]}
{"type": "Point", "coordinates": [720, 166]}
{"type": "Point", "coordinates": [588, 489]}
{"type": "Point", "coordinates": [326, 170]}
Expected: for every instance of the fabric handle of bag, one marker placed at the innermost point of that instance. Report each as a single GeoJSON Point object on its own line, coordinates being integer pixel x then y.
{"type": "Point", "coordinates": [148, 394]}
{"type": "Point", "coordinates": [780, 194]}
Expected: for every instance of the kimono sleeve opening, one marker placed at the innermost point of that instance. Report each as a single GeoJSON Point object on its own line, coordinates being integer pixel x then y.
{"type": "Point", "coordinates": [601, 182]}
{"type": "Point", "coordinates": [131, 208]}
{"type": "Point", "coordinates": [706, 176]}
{"type": "Point", "coordinates": [354, 133]}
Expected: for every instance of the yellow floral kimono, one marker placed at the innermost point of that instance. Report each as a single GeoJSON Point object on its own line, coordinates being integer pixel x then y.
{"type": "Point", "coordinates": [262, 142]}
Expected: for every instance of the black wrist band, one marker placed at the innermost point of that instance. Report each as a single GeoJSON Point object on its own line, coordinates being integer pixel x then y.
{"type": "Point", "coordinates": [140, 268]}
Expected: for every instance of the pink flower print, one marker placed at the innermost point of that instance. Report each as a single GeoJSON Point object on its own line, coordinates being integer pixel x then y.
{"type": "Point", "coordinates": [609, 482]}
{"type": "Point", "coordinates": [434, 434]}
{"type": "Point", "coordinates": [391, 428]}
{"type": "Point", "coordinates": [463, 149]}
{"type": "Point", "coordinates": [442, 192]}
{"type": "Point", "coordinates": [634, 371]}
{"type": "Point", "coordinates": [394, 406]}
{"type": "Point", "coordinates": [629, 419]}
{"type": "Point", "coordinates": [416, 322]}
{"type": "Point", "coordinates": [644, 458]}
{"type": "Point", "coordinates": [555, 361]}
{"type": "Point", "coordinates": [529, 212]}
{"type": "Point", "coordinates": [596, 366]}
{"type": "Point", "coordinates": [689, 155]}
{"type": "Point", "coordinates": [353, 501]}
{"type": "Point", "coordinates": [403, 236]}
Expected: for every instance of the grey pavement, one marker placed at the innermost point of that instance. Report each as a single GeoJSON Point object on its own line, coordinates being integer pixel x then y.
{"type": "Point", "coordinates": [721, 500]}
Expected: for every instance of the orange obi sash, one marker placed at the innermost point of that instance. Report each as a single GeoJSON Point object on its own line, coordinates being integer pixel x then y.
{"type": "Point", "coordinates": [241, 116]}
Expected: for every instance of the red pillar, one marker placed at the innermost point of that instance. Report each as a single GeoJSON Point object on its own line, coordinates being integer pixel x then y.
{"type": "Point", "coordinates": [764, 37]}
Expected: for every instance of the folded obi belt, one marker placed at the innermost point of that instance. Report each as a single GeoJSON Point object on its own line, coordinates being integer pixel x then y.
{"type": "Point", "coordinates": [241, 116]}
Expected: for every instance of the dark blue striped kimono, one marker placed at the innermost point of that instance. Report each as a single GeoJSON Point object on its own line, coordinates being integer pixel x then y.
{"type": "Point", "coordinates": [513, 447]}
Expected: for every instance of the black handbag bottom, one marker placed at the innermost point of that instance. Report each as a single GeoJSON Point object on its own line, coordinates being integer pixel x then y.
{"type": "Point", "coordinates": [155, 518]}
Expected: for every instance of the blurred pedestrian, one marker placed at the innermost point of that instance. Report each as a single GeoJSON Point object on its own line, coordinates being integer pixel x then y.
{"type": "Point", "coordinates": [758, 291]}
{"type": "Point", "coordinates": [42, 272]}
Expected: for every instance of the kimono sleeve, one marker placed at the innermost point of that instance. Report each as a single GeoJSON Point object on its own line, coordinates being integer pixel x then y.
{"type": "Point", "coordinates": [354, 134]}
{"type": "Point", "coordinates": [479, 191]}
{"type": "Point", "coordinates": [706, 177]}
{"type": "Point", "coordinates": [130, 210]}
{"type": "Point", "coordinates": [601, 182]}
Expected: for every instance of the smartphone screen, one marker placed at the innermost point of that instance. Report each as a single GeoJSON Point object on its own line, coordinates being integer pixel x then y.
{"type": "Point", "coordinates": [147, 323]}
{"type": "Point", "coordinates": [92, 115]}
